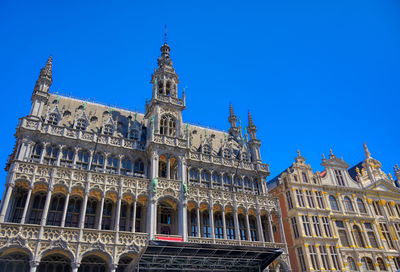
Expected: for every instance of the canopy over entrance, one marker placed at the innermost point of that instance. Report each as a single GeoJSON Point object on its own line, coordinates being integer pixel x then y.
{"type": "Point", "coordinates": [179, 256]}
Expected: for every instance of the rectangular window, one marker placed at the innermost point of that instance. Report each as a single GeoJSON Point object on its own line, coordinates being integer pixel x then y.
{"type": "Point", "coordinates": [324, 258]}
{"type": "Point", "coordinates": [339, 177]}
{"type": "Point", "coordinates": [301, 259]}
{"type": "Point", "coordinates": [335, 260]}
{"type": "Point", "coordinates": [389, 208]}
{"type": "Point", "coordinates": [372, 239]}
{"type": "Point", "coordinates": [397, 227]}
{"type": "Point", "coordinates": [317, 227]}
{"type": "Point", "coordinates": [344, 240]}
{"type": "Point", "coordinates": [289, 200]}
{"type": "Point", "coordinates": [294, 226]}
{"type": "Point", "coordinates": [314, 258]}
{"type": "Point", "coordinates": [320, 201]}
{"type": "Point", "coordinates": [300, 198]}
{"type": "Point", "coordinates": [398, 210]}
{"type": "Point", "coordinates": [377, 209]}
{"type": "Point", "coordinates": [310, 199]}
{"type": "Point", "coordinates": [327, 227]}
{"type": "Point", "coordinates": [386, 234]}
{"type": "Point", "coordinates": [306, 225]}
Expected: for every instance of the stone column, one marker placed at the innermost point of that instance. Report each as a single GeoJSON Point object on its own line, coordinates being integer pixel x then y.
{"type": "Point", "coordinates": [83, 210]}
{"type": "Point", "coordinates": [65, 208]}
{"type": "Point", "coordinates": [10, 187]}
{"type": "Point", "coordinates": [259, 226]}
{"type": "Point", "coordinates": [59, 154]}
{"type": "Point", "coordinates": [152, 218]}
{"type": "Point", "coordinates": [248, 226]}
{"type": "Point", "coordinates": [99, 222]}
{"type": "Point", "coordinates": [33, 266]}
{"type": "Point", "coordinates": [118, 212]}
{"type": "Point", "coordinates": [236, 221]}
{"type": "Point", "coordinates": [350, 232]}
{"type": "Point", "coordinates": [74, 267]}
{"type": "Point", "coordinates": [224, 223]}
{"type": "Point", "coordinates": [134, 216]}
{"type": "Point", "coordinates": [211, 219]}
{"type": "Point", "coordinates": [281, 230]}
{"type": "Point", "coordinates": [28, 200]}
{"type": "Point", "coordinates": [270, 230]}
{"type": "Point", "coordinates": [198, 221]}
{"type": "Point", "coordinates": [183, 219]}
{"type": "Point", "coordinates": [43, 152]}
{"type": "Point", "coordinates": [46, 206]}
{"type": "Point", "coordinates": [91, 152]}
{"type": "Point", "coordinates": [168, 168]}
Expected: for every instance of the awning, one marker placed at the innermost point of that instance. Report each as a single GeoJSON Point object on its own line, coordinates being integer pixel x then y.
{"type": "Point", "coordinates": [180, 256]}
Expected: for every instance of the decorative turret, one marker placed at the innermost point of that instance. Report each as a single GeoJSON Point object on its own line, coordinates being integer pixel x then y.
{"type": "Point", "coordinates": [366, 151]}
{"type": "Point", "coordinates": [254, 143]}
{"type": "Point", "coordinates": [40, 94]}
{"type": "Point", "coordinates": [397, 172]}
{"type": "Point", "coordinates": [233, 130]}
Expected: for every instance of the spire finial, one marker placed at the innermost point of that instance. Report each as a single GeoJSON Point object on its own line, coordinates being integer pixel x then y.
{"type": "Point", "coordinates": [330, 151]}
{"type": "Point", "coordinates": [298, 152]}
{"type": "Point", "coordinates": [231, 113]}
{"type": "Point", "coordinates": [366, 151]}
{"type": "Point", "coordinates": [165, 34]}
{"type": "Point", "coordinates": [250, 119]}
{"type": "Point", "coordinates": [47, 69]}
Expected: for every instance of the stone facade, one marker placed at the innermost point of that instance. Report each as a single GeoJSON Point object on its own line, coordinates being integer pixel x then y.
{"type": "Point", "coordinates": [88, 185]}
{"type": "Point", "coordinates": [340, 219]}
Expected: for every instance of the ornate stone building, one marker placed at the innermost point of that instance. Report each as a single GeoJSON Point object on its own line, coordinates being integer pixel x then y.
{"type": "Point", "coordinates": [340, 219]}
{"type": "Point", "coordinates": [94, 188]}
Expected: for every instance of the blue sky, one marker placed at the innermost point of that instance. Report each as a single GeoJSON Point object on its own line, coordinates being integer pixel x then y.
{"type": "Point", "coordinates": [315, 74]}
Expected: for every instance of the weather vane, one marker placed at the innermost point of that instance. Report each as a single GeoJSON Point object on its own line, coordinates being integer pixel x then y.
{"type": "Point", "coordinates": [165, 34]}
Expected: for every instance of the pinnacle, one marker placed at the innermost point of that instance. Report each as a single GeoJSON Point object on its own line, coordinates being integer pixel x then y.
{"type": "Point", "coordinates": [231, 113]}
{"type": "Point", "coordinates": [47, 70]}
{"type": "Point", "coordinates": [250, 120]}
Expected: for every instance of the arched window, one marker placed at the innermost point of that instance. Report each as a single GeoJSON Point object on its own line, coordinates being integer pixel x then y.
{"type": "Point", "coordinates": [81, 124]}
{"type": "Point", "coordinates": [54, 263]}
{"type": "Point", "coordinates": [112, 164]}
{"type": "Point", "coordinates": [52, 119]}
{"type": "Point", "coordinates": [73, 212]}
{"type": "Point", "coordinates": [237, 183]}
{"type": "Point", "coordinates": [138, 219]}
{"type": "Point", "coordinates": [367, 264]}
{"type": "Point", "coordinates": [50, 156]}
{"type": "Point", "coordinates": [168, 88]}
{"type": "Point", "coordinates": [90, 216]}
{"type": "Point", "coordinates": [97, 162]}
{"type": "Point", "coordinates": [253, 228]}
{"type": "Point", "coordinates": [304, 177]}
{"type": "Point", "coordinates": [247, 184]}
{"type": "Point", "coordinates": [216, 178]}
{"type": "Point", "coordinates": [333, 202]}
{"type": "Point", "coordinates": [205, 178]}
{"type": "Point", "coordinates": [93, 263]}
{"type": "Point", "coordinates": [194, 175]}
{"type": "Point", "coordinates": [219, 227]}
{"type": "Point", "coordinates": [227, 153]}
{"type": "Point", "coordinates": [295, 178]}
{"type": "Point", "coordinates": [361, 206]}
{"type": "Point", "coordinates": [126, 166]}
{"type": "Point", "coordinates": [124, 215]}
{"type": "Point", "coordinates": [167, 125]}
{"type": "Point", "coordinates": [256, 186]}
{"type": "Point", "coordinates": [37, 208]}
{"type": "Point", "coordinates": [14, 262]}
{"type": "Point", "coordinates": [207, 149]}
{"type": "Point", "coordinates": [242, 227]}
{"type": "Point", "coordinates": [139, 166]}
{"type": "Point", "coordinates": [381, 264]}
{"type": "Point", "coordinates": [82, 162]}
{"type": "Point", "coordinates": [193, 223]}
{"type": "Point", "coordinates": [358, 238]}
{"type": "Point", "coordinates": [108, 129]}
{"type": "Point", "coordinates": [230, 227]}
{"type": "Point", "coordinates": [36, 152]}
{"type": "Point", "coordinates": [134, 134]}
{"type": "Point", "coordinates": [67, 157]}
{"type": "Point", "coordinates": [348, 204]}
{"type": "Point", "coordinates": [20, 195]}
{"type": "Point", "coordinates": [56, 209]}
{"type": "Point", "coordinates": [352, 264]}
{"type": "Point", "coordinates": [227, 181]}
{"type": "Point", "coordinates": [206, 224]}
{"type": "Point", "coordinates": [160, 87]}
{"type": "Point", "coordinates": [107, 215]}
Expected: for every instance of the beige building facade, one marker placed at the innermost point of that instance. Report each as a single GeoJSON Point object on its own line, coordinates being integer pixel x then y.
{"type": "Point", "coordinates": [95, 188]}
{"type": "Point", "coordinates": [340, 219]}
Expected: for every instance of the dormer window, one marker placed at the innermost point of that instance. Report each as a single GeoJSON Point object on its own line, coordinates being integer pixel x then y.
{"type": "Point", "coordinates": [80, 124]}
{"type": "Point", "coordinates": [227, 153]}
{"type": "Point", "coordinates": [207, 149]}
{"type": "Point", "coordinates": [52, 119]}
{"type": "Point", "coordinates": [108, 129]}
{"type": "Point", "coordinates": [339, 177]}
{"type": "Point", "coordinates": [167, 126]}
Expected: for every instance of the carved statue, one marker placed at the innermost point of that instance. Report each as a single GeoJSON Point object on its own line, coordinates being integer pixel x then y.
{"type": "Point", "coordinates": [184, 189]}
{"type": "Point", "coordinates": [154, 185]}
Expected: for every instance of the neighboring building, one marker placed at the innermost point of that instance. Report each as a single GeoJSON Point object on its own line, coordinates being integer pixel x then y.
{"type": "Point", "coordinates": [94, 188]}
{"type": "Point", "coordinates": [340, 219]}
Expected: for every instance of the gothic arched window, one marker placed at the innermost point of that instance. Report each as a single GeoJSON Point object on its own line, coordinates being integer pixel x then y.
{"type": "Point", "coordinates": [52, 119]}
{"type": "Point", "coordinates": [304, 177]}
{"type": "Point", "coordinates": [80, 124]}
{"type": "Point", "coordinates": [73, 212]}
{"type": "Point", "coordinates": [193, 223]}
{"type": "Point", "coordinates": [361, 206]}
{"type": "Point", "coordinates": [227, 181]}
{"type": "Point", "coordinates": [167, 125]}
{"type": "Point", "coordinates": [333, 202]}
{"type": "Point", "coordinates": [194, 175]}
{"type": "Point", "coordinates": [216, 178]}
{"type": "Point", "coordinates": [107, 215]}
{"type": "Point", "coordinates": [230, 227]}
{"type": "Point", "coordinates": [37, 208]}
{"type": "Point", "coordinates": [112, 164]}
{"type": "Point", "coordinates": [205, 178]}
{"type": "Point", "coordinates": [139, 166]}
{"type": "Point", "coordinates": [134, 134]}
{"type": "Point", "coordinates": [367, 264]}
{"type": "Point", "coordinates": [237, 183]}
{"type": "Point", "coordinates": [352, 264]}
{"type": "Point", "coordinates": [206, 224]}
{"type": "Point", "coordinates": [381, 264]}
{"type": "Point", "coordinates": [123, 216]}
{"type": "Point", "coordinates": [126, 166]}
{"type": "Point", "coordinates": [168, 88]}
{"type": "Point", "coordinates": [56, 209]}
{"type": "Point", "coordinates": [67, 157]}
{"type": "Point", "coordinates": [358, 238]}
{"type": "Point", "coordinates": [247, 184]}
{"type": "Point", "coordinates": [20, 195]}
{"type": "Point", "coordinates": [97, 162]}
{"type": "Point", "coordinates": [219, 227]}
{"type": "Point", "coordinates": [82, 161]}
{"type": "Point", "coordinates": [36, 152]}
{"type": "Point", "coordinates": [242, 227]}
{"type": "Point", "coordinates": [253, 228]}
{"type": "Point", "coordinates": [160, 87]}
{"type": "Point", "coordinates": [90, 216]}
{"type": "Point", "coordinates": [348, 204]}
{"type": "Point", "coordinates": [50, 156]}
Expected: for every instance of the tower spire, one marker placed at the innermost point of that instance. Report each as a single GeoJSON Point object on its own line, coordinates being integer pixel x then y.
{"type": "Point", "coordinates": [165, 34]}
{"type": "Point", "coordinates": [45, 77]}
{"type": "Point", "coordinates": [366, 151]}
{"type": "Point", "coordinates": [233, 130]}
